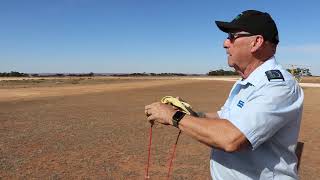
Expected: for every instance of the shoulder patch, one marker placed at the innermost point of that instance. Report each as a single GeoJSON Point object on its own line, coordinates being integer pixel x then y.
{"type": "Point", "coordinates": [274, 74]}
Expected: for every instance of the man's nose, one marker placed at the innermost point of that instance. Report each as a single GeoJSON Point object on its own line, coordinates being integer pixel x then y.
{"type": "Point", "coordinates": [226, 43]}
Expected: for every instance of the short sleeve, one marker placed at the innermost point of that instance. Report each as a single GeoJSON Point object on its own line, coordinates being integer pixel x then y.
{"type": "Point", "coordinates": [268, 110]}
{"type": "Point", "coordinates": [226, 104]}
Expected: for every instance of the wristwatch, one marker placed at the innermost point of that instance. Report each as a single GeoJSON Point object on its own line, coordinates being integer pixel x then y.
{"type": "Point", "coordinates": [176, 118]}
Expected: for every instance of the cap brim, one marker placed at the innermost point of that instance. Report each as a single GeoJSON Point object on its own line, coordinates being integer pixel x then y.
{"type": "Point", "coordinates": [227, 26]}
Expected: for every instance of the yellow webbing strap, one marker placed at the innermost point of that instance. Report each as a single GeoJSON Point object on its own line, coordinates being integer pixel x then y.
{"type": "Point", "coordinates": [183, 106]}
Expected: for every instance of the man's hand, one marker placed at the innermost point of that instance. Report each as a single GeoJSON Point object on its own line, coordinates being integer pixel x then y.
{"type": "Point", "coordinates": [159, 112]}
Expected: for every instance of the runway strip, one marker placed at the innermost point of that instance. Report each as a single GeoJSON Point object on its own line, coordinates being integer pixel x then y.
{"type": "Point", "coordinates": [36, 92]}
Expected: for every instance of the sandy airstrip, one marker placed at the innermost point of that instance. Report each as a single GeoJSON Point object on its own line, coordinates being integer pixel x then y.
{"type": "Point", "coordinates": [79, 129]}
{"type": "Point", "coordinates": [24, 93]}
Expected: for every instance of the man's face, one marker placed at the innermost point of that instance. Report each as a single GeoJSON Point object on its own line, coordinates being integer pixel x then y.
{"type": "Point", "coordinates": [238, 47]}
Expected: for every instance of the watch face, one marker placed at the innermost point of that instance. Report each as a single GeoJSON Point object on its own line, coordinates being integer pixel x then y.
{"type": "Point", "coordinates": [177, 117]}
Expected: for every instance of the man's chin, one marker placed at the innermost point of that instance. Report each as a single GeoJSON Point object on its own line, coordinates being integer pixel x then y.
{"type": "Point", "coordinates": [236, 69]}
{"type": "Point", "coordinates": [231, 63]}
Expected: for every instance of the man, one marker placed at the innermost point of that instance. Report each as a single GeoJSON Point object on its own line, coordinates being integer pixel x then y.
{"type": "Point", "coordinates": [255, 133]}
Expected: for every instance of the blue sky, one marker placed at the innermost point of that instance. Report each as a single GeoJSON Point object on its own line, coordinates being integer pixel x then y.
{"type": "Point", "coordinates": [124, 36]}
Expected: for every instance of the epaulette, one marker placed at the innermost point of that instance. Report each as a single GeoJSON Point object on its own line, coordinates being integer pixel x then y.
{"type": "Point", "coordinates": [274, 74]}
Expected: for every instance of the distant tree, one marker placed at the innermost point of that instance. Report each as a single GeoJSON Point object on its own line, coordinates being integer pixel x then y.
{"type": "Point", "coordinates": [71, 75]}
{"type": "Point", "coordinates": [59, 75]}
{"type": "Point", "coordinates": [300, 71]}
{"type": "Point", "coordinates": [91, 74]}
{"type": "Point", "coordinates": [221, 72]}
{"type": "Point", "coordinates": [14, 74]}
{"type": "Point", "coordinates": [149, 74]}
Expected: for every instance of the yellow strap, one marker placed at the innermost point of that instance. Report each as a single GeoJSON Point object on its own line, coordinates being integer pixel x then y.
{"type": "Point", "coordinates": [183, 106]}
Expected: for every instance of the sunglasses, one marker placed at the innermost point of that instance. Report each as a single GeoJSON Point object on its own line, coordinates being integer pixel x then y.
{"type": "Point", "coordinates": [234, 36]}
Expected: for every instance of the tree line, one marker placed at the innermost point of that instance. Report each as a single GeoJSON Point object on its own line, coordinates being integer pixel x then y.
{"type": "Point", "coordinates": [151, 74]}
{"type": "Point", "coordinates": [219, 72]}
{"type": "Point", "coordinates": [19, 74]}
{"type": "Point", "coordinates": [300, 71]}
{"type": "Point", "coordinates": [13, 74]}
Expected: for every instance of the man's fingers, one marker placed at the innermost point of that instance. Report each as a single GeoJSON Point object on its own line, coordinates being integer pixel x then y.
{"type": "Point", "coordinates": [151, 105]}
{"type": "Point", "coordinates": [147, 112]}
{"type": "Point", "coordinates": [150, 118]}
{"type": "Point", "coordinates": [147, 107]}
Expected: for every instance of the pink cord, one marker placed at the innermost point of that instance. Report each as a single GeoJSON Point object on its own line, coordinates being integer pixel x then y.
{"type": "Point", "coordinates": [149, 153]}
{"type": "Point", "coordinates": [170, 160]}
{"type": "Point", "coordinates": [173, 155]}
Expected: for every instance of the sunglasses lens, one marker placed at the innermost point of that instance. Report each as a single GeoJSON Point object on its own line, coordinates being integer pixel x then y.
{"type": "Point", "coordinates": [230, 36]}
{"type": "Point", "coordinates": [233, 36]}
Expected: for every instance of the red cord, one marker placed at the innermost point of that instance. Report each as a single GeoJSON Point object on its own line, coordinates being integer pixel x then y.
{"type": "Point", "coordinates": [173, 155]}
{"type": "Point", "coordinates": [149, 152]}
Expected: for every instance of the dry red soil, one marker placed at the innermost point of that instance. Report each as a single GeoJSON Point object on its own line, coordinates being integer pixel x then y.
{"type": "Point", "coordinates": [99, 131]}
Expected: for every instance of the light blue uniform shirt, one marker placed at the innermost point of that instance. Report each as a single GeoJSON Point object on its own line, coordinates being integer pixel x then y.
{"type": "Point", "coordinates": [268, 113]}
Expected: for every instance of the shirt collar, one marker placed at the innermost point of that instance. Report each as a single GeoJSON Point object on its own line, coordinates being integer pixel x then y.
{"type": "Point", "coordinates": [257, 75]}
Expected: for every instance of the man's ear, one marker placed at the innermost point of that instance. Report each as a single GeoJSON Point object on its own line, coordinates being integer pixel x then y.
{"type": "Point", "coordinates": [257, 43]}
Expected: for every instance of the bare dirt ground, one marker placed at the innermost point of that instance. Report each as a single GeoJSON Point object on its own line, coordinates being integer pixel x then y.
{"type": "Point", "coordinates": [97, 130]}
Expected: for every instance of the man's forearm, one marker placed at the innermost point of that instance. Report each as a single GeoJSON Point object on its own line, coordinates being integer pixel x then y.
{"type": "Point", "coordinates": [208, 115]}
{"type": "Point", "coordinates": [214, 132]}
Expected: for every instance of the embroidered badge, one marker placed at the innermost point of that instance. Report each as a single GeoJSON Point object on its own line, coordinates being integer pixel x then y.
{"type": "Point", "coordinates": [240, 104]}
{"type": "Point", "coordinates": [274, 74]}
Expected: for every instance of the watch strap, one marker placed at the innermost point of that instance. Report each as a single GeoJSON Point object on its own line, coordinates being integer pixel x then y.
{"type": "Point", "coordinates": [176, 118]}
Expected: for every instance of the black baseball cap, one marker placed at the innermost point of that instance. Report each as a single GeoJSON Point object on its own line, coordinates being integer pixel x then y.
{"type": "Point", "coordinates": [254, 22]}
